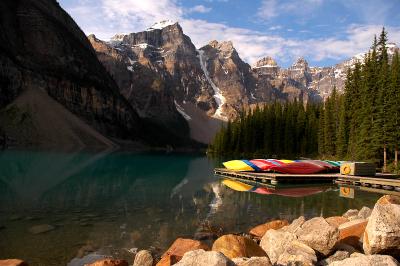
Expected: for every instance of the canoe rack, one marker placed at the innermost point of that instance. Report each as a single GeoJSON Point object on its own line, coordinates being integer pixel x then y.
{"type": "Point", "coordinates": [380, 181]}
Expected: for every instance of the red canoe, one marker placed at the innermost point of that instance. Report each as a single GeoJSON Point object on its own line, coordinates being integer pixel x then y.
{"type": "Point", "coordinates": [328, 167]}
{"type": "Point", "coordinates": [296, 167]}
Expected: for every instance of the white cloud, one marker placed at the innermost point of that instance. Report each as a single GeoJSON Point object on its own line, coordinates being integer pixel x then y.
{"type": "Point", "coordinates": [274, 8]}
{"type": "Point", "coordinates": [277, 27]}
{"type": "Point", "coordinates": [268, 9]}
{"type": "Point", "coordinates": [372, 11]}
{"type": "Point", "coordinates": [199, 9]}
{"type": "Point", "coordinates": [137, 15]}
{"type": "Point", "coordinates": [115, 16]}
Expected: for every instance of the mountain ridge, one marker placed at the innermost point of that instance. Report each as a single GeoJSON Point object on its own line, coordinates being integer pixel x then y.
{"type": "Point", "coordinates": [214, 79]}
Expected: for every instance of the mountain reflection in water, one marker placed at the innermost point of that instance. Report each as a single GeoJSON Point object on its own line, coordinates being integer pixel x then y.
{"type": "Point", "coordinates": [113, 203]}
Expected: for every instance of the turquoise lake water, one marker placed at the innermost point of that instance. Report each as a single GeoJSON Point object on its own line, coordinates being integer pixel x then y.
{"type": "Point", "coordinates": [112, 203]}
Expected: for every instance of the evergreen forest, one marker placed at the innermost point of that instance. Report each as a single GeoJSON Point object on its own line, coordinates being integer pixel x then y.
{"type": "Point", "coordinates": [363, 123]}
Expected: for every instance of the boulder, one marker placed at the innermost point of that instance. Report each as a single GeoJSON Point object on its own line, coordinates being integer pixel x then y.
{"type": "Point", "coordinates": [357, 254]}
{"type": "Point", "coordinates": [351, 214]}
{"type": "Point", "coordinates": [178, 249]}
{"type": "Point", "coordinates": [382, 234]}
{"type": "Point", "coordinates": [169, 260]}
{"type": "Point", "coordinates": [13, 262]}
{"type": "Point", "coordinates": [41, 228]}
{"type": "Point", "coordinates": [143, 258]}
{"type": "Point", "coordinates": [336, 220]}
{"type": "Point", "coordinates": [388, 199]}
{"type": "Point", "coordinates": [275, 242]}
{"type": "Point", "coordinates": [109, 262]}
{"type": "Point", "coordinates": [297, 253]}
{"type": "Point", "coordinates": [364, 213]}
{"type": "Point", "coordinates": [260, 230]}
{"type": "Point", "coordinates": [319, 235]}
{"type": "Point", "coordinates": [351, 232]}
{"type": "Point", "coordinates": [204, 258]}
{"type": "Point", "coordinates": [345, 247]}
{"type": "Point", "coordinates": [295, 225]}
{"type": "Point", "coordinates": [371, 260]}
{"type": "Point", "coordinates": [253, 261]}
{"type": "Point", "coordinates": [234, 246]}
{"type": "Point", "coordinates": [337, 256]}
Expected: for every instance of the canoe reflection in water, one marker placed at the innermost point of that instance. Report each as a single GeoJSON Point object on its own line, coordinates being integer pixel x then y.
{"type": "Point", "coordinates": [285, 191]}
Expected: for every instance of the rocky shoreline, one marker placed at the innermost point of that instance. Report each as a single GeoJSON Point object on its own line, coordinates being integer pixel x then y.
{"type": "Point", "coordinates": [358, 237]}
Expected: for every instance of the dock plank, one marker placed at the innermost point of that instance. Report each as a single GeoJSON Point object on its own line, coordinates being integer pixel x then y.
{"type": "Point", "coordinates": [380, 180]}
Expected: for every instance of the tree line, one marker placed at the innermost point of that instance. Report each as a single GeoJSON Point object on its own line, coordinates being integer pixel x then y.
{"type": "Point", "coordinates": [363, 123]}
{"type": "Point", "coordinates": [275, 129]}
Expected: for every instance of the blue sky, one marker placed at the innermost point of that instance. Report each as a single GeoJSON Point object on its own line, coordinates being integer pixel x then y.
{"type": "Point", "coordinates": [323, 31]}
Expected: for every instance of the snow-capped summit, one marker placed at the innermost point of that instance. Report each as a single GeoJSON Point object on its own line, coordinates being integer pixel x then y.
{"type": "Point", "coordinates": [161, 24]}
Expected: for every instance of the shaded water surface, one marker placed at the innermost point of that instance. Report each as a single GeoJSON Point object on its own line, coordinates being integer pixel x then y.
{"type": "Point", "coordinates": [97, 204]}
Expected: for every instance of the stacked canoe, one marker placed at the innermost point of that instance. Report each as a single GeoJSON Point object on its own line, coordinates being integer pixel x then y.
{"type": "Point", "coordinates": [284, 166]}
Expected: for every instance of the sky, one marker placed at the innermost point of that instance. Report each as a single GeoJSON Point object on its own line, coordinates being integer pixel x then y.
{"type": "Point", "coordinates": [324, 32]}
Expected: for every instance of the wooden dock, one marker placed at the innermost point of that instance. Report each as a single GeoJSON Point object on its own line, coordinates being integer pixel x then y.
{"type": "Point", "coordinates": [380, 181]}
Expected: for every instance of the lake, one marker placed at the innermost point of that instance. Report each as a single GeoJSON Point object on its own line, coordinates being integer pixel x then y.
{"type": "Point", "coordinates": [113, 203]}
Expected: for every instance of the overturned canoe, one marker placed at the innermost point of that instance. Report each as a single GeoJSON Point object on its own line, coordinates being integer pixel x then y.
{"type": "Point", "coordinates": [328, 165]}
{"type": "Point", "coordinates": [241, 165]}
{"type": "Point", "coordinates": [283, 166]}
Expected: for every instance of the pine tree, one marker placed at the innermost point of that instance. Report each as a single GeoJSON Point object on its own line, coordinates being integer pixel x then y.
{"type": "Point", "coordinates": [341, 137]}
{"type": "Point", "coordinates": [381, 125]}
{"type": "Point", "coordinates": [321, 131]}
{"type": "Point", "coordinates": [395, 106]}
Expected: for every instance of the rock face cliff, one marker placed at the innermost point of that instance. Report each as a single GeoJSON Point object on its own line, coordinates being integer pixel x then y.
{"type": "Point", "coordinates": [44, 53]}
{"type": "Point", "coordinates": [160, 72]}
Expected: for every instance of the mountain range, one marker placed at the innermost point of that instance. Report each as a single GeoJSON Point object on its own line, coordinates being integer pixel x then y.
{"type": "Point", "coordinates": [150, 88]}
{"type": "Point", "coordinates": [211, 83]}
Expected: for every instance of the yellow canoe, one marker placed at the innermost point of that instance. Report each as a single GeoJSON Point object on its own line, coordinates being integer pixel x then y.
{"type": "Point", "coordinates": [236, 185]}
{"type": "Point", "coordinates": [237, 165]}
{"type": "Point", "coordinates": [286, 161]}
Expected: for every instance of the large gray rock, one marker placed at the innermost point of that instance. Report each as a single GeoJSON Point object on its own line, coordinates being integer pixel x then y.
{"type": "Point", "coordinates": [204, 258]}
{"type": "Point", "coordinates": [338, 256]}
{"type": "Point", "coordinates": [319, 235]}
{"type": "Point", "coordinates": [297, 253]}
{"type": "Point", "coordinates": [371, 260]}
{"type": "Point", "coordinates": [143, 258]}
{"type": "Point", "coordinates": [275, 242]}
{"type": "Point", "coordinates": [351, 214]}
{"type": "Point", "coordinates": [382, 234]}
{"type": "Point", "coordinates": [364, 213]}
{"type": "Point", "coordinates": [253, 261]}
{"type": "Point", "coordinates": [295, 225]}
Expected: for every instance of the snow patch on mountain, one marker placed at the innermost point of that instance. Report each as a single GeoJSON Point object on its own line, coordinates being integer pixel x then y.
{"type": "Point", "coordinates": [219, 98]}
{"type": "Point", "coordinates": [142, 45]}
{"type": "Point", "coordinates": [255, 67]}
{"type": "Point", "coordinates": [160, 25]}
{"type": "Point", "coordinates": [182, 111]}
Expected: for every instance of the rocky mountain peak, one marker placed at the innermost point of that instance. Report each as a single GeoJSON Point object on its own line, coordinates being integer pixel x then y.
{"type": "Point", "coordinates": [266, 62]}
{"type": "Point", "coordinates": [162, 24]}
{"type": "Point", "coordinates": [301, 63]}
{"type": "Point", "coordinates": [224, 49]}
{"type": "Point", "coordinates": [391, 48]}
{"type": "Point", "coordinates": [118, 37]}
